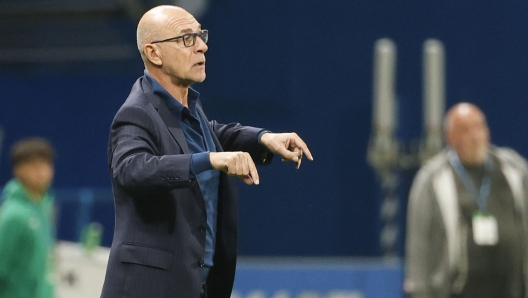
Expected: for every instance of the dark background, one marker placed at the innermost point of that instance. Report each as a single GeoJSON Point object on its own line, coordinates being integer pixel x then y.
{"type": "Point", "coordinates": [303, 66]}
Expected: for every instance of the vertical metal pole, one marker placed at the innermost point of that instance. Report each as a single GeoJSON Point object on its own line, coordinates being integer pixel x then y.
{"type": "Point", "coordinates": [389, 211]}
{"type": "Point", "coordinates": [433, 65]}
{"type": "Point", "coordinates": [383, 151]}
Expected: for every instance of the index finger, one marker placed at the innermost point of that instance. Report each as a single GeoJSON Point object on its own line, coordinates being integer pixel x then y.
{"type": "Point", "coordinates": [304, 148]}
{"type": "Point", "coordinates": [253, 170]}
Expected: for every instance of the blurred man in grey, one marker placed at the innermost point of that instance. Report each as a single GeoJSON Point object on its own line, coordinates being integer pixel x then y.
{"type": "Point", "coordinates": [466, 221]}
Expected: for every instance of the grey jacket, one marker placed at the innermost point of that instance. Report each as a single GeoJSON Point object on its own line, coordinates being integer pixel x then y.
{"type": "Point", "coordinates": [436, 261]}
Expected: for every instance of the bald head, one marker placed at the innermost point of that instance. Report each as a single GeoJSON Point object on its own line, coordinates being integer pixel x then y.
{"type": "Point", "coordinates": [467, 132]}
{"type": "Point", "coordinates": [157, 24]}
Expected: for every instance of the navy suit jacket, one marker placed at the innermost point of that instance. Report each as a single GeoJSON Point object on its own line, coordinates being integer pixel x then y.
{"type": "Point", "coordinates": [159, 239]}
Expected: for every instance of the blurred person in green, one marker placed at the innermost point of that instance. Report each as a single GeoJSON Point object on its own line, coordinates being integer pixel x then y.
{"type": "Point", "coordinates": [27, 234]}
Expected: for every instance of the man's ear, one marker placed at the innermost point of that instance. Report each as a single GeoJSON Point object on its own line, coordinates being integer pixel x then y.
{"type": "Point", "coordinates": [153, 54]}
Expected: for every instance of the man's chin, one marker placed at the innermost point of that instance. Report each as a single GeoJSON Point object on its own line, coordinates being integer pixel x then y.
{"type": "Point", "coordinates": [478, 158]}
{"type": "Point", "coordinates": [199, 79]}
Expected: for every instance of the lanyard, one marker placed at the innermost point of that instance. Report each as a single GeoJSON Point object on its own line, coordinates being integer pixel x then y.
{"type": "Point", "coordinates": [481, 197]}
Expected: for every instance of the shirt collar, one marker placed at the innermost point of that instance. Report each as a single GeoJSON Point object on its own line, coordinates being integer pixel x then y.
{"type": "Point", "coordinates": [174, 105]}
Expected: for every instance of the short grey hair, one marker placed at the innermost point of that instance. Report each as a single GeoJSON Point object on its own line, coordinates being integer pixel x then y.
{"type": "Point", "coordinates": [145, 35]}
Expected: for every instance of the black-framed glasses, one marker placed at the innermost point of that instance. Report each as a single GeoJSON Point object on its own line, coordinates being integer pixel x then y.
{"type": "Point", "coordinates": [189, 39]}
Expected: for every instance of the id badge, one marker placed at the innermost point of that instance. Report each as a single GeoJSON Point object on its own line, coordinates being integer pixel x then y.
{"type": "Point", "coordinates": [485, 229]}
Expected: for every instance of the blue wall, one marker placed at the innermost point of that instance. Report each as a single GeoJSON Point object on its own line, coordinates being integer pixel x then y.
{"type": "Point", "coordinates": [301, 66]}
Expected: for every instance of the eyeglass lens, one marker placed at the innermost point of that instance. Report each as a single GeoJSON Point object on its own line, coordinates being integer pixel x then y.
{"type": "Point", "coordinates": [190, 39]}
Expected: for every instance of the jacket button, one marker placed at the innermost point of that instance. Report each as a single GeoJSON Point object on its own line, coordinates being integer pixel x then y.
{"type": "Point", "coordinates": [202, 228]}
{"type": "Point", "coordinates": [201, 263]}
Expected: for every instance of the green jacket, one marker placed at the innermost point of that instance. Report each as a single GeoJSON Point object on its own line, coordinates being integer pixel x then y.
{"type": "Point", "coordinates": [26, 244]}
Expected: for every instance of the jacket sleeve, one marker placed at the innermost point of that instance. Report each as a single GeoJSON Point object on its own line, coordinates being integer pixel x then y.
{"type": "Point", "coordinates": [421, 246]}
{"type": "Point", "coordinates": [235, 137]}
{"type": "Point", "coordinates": [135, 160]}
{"type": "Point", "coordinates": [518, 161]}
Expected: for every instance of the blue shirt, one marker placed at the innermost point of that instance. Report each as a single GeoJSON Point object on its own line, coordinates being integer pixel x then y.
{"type": "Point", "coordinates": [200, 142]}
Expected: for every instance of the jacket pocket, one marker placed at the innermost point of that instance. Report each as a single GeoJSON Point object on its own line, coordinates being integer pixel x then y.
{"type": "Point", "coordinates": [144, 255]}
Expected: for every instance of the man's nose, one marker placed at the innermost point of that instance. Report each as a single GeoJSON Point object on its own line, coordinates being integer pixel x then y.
{"type": "Point", "coordinates": [200, 45]}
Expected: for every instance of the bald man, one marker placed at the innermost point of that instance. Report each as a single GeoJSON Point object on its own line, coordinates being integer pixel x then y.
{"type": "Point", "coordinates": [173, 171]}
{"type": "Point", "coordinates": [467, 216]}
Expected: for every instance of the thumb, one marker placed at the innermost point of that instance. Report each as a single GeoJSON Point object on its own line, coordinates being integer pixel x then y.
{"type": "Point", "coordinates": [288, 155]}
{"type": "Point", "coordinates": [247, 179]}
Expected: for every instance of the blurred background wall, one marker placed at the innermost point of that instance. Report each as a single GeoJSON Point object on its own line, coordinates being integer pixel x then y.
{"type": "Point", "coordinates": [303, 66]}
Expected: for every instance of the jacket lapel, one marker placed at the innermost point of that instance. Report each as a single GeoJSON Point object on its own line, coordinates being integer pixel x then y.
{"type": "Point", "coordinates": [172, 124]}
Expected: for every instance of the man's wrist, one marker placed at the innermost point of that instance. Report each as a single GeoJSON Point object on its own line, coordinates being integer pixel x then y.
{"type": "Point", "coordinates": [260, 134]}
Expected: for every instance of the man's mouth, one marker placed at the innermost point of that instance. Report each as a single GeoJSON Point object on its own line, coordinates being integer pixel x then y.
{"type": "Point", "coordinates": [202, 63]}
